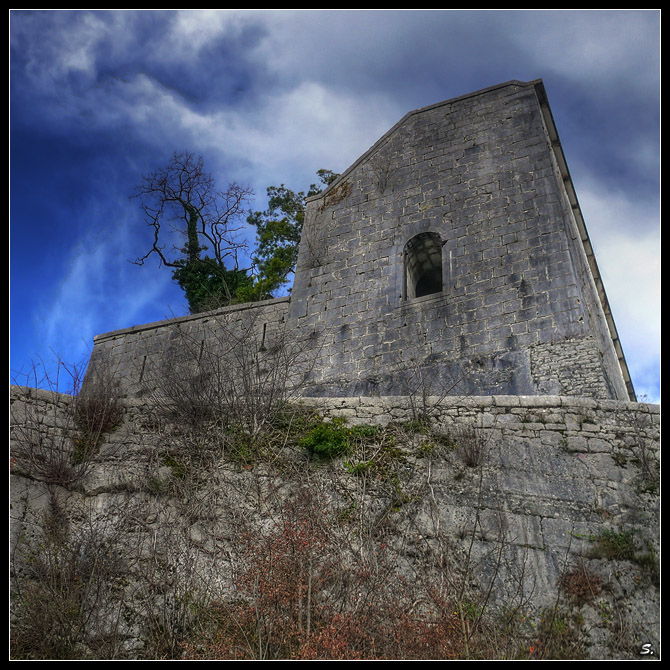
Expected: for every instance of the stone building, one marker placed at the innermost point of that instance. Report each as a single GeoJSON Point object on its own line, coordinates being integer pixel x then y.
{"type": "Point", "coordinates": [450, 258]}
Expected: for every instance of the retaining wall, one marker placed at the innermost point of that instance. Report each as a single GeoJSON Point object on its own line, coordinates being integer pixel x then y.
{"type": "Point", "coordinates": [557, 473]}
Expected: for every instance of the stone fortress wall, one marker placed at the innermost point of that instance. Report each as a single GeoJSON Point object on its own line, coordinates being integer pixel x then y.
{"type": "Point", "coordinates": [134, 356]}
{"type": "Point", "coordinates": [558, 474]}
{"type": "Point", "coordinates": [453, 251]}
{"type": "Point", "coordinates": [475, 181]}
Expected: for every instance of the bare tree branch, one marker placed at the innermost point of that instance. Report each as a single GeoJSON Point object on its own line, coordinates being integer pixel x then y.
{"type": "Point", "coordinates": [181, 197]}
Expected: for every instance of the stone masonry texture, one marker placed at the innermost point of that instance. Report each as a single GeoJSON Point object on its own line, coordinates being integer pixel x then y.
{"type": "Point", "coordinates": [557, 474]}
{"type": "Point", "coordinates": [517, 313]}
{"type": "Point", "coordinates": [446, 275]}
{"type": "Point", "coordinates": [519, 307]}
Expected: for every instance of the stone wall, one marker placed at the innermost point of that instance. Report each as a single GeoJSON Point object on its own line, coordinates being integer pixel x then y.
{"type": "Point", "coordinates": [518, 306]}
{"type": "Point", "coordinates": [520, 310]}
{"type": "Point", "coordinates": [532, 457]}
{"type": "Point", "coordinates": [135, 356]}
{"type": "Point", "coordinates": [550, 476]}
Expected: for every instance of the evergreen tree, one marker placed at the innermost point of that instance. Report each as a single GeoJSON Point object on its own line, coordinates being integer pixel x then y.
{"type": "Point", "coordinates": [278, 231]}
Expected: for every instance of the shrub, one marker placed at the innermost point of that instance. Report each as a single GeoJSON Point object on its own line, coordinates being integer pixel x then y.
{"type": "Point", "coordinates": [332, 439]}
{"type": "Point", "coordinates": [560, 636]}
{"type": "Point", "coordinates": [616, 546]}
{"type": "Point", "coordinates": [300, 595]}
{"type": "Point", "coordinates": [581, 584]}
{"type": "Point", "coordinates": [241, 373]}
{"type": "Point", "coordinates": [327, 440]}
{"type": "Point", "coordinates": [56, 434]}
{"type": "Point", "coordinates": [470, 445]}
{"type": "Point", "coordinates": [66, 585]}
{"type": "Point", "coordinates": [360, 468]}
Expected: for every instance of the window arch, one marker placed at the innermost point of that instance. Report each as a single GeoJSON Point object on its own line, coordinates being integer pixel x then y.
{"type": "Point", "coordinates": [423, 265]}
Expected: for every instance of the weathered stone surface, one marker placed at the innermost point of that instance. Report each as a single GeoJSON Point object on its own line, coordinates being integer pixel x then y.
{"type": "Point", "coordinates": [516, 310]}
{"type": "Point", "coordinates": [542, 495]}
{"type": "Point", "coordinates": [446, 274]}
{"type": "Point", "coordinates": [470, 198]}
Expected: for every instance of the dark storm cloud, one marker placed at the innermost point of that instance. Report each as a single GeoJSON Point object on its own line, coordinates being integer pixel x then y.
{"type": "Point", "coordinates": [84, 58]}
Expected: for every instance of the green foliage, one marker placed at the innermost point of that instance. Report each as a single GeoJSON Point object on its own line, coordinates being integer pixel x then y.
{"type": "Point", "coordinates": [425, 449]}
{"type": "Point", "coordinates": [242, 447]}
{"type": "Point", "coordinates": [364, 431]}
{"type": "Point", "coordinates": [207, 285]}
{"type": "Point", "coordinates": [178, 468]}
{"type": "Point", "coordinates": [182, 197]}
{"type": "Point", "coordinates": [278, 231]}
{"type": "Point", "coordinates": [617, 546]}
{"type": "Point", "coordinates": [624, 546]}
{"type": "Point", "coordinates": [327, 440]}
{"type": "Point", "coordinates": [359, 468]}
{"type": "Point", "coordinates": [332, 439]}
{"type": "Point", "coordinates": [560, 636]}
{"type": "Point", "coordinates": [419, 426]}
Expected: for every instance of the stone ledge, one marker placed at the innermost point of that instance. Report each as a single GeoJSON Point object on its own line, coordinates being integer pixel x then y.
{"type": "Point", "coordinates": [566, 403]}
{"type": "Point", "coordinates": [482, 402]}
{"type": "Point", "coordinates": [97, 339]}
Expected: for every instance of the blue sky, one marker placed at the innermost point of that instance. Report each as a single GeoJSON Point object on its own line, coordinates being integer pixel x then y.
{"type": "Point", "coordinates": [98, 98]}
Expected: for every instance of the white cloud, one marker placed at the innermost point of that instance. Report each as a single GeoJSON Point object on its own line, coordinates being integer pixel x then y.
{"type": "Point", "coordinates": [71, 313]}
{"type": "Point", "coordinates": [99, 288]}
{"type": "Point", "coordinates": [55, 45]}
{"type": "Point", "coordinates": [192, 31]}
{"type": "Point", "coordinates": [288, 132]}
{"type": "Point", "coordinates": [78, 52]}
{"type": "Point", "coordinates": [626, 241]}
{"type": "Point", "coordinates": [305, 126]}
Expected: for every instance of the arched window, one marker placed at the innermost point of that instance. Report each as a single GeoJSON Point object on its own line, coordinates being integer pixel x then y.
{"type": "Point", "coordinates": [423, 265]}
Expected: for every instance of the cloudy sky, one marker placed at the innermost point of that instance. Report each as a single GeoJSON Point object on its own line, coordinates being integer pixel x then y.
{"type": "Point", "coordinates": [99, 98]}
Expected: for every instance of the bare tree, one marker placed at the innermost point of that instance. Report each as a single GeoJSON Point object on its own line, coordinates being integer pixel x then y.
{"type": "Point", "coordinates": [182, 206]}
{"type": "Point", "coordinates": [56, 435]}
